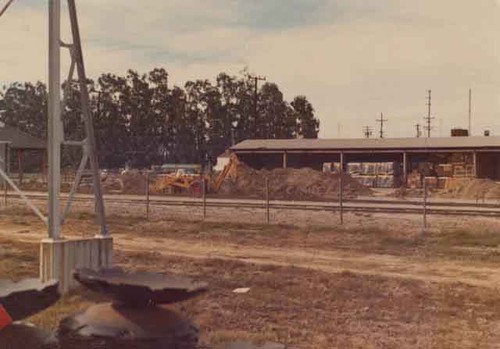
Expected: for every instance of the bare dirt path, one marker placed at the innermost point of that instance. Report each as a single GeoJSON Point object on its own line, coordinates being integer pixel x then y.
{"type": "Point", "coordinates": [330, 261]}
{"type": "Point", "coordinates": [325, 261]}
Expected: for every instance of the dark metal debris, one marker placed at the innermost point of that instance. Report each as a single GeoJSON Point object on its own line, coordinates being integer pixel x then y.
{"type": "Point", "coordinates": [117, 326]}
{"type": "Point", "coordinates": [27, 297]}
{"type": "Point", "coordinates": [140, 288]}
{"type": "Point", "coordinates": [246, 345]}
{"type": "Point", "coordinates": [18, 336]}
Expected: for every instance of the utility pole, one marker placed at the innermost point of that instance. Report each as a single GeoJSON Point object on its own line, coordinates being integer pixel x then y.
{"type": "Point", "coordinates": [429, 119]}
{"type": "Point", "coordinates": [256, 80]}
{"type": "Point", "coordinates": [419, 131]}
{"type": "Point", "coordinates": [382, 120]}
{"type": "Point", "coordinates": [470, 112]}
{"type": "Point", "coordinates": [367, 131]}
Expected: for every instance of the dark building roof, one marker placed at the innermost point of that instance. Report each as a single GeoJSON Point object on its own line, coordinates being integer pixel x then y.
{"type": "Point", "coordinates": [384, 144]}
{"type": "Point", "coordinates": [20, 140]}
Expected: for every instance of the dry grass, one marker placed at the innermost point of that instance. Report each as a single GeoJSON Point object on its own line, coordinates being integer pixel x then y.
{"type": "Point", "coordinates": [320, 310]}
{"type": "Point", "coordinates": [308, 308]}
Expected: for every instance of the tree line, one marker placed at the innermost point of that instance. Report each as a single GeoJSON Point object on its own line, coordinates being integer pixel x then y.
{"type": "Point", "coordinates": [140, 120]}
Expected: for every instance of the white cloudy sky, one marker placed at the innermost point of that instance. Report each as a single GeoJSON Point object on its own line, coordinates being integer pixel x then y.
{"type": "Point", "coordinates": [352, 58]}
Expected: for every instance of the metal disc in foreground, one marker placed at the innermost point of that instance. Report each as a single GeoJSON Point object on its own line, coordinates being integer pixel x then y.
{"type": "Point", "coordinates": [27, 297]}
{"type": "Point", "coordinates": [114, 326]}
{"type": "Point", "coordinates": [140, 288]}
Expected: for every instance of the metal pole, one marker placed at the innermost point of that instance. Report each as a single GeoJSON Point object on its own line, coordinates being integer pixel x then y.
{"type": "Point", "coordinates": [470, 112]}
{"type": "Point", "coordinates": [24, 197]}
{"type": "Point", "coordinates": [86, 111]}
{"type": "Point", "coordinates": [74, 187]}
{"type": "Point", "coordinates": [268, 216]}
{"type": "Point", "coordinates": [147, 196]}
{"type": "Point", "coordinates": [4, 9]}
{"type": "Point", "coordinates": [341, 190]}
{"type": "Point", "coordinates": [54, 124]}
{"type": "Point", "coordinates": [425, 204]}
{"type": "Point", "coordinates": [429, 118]}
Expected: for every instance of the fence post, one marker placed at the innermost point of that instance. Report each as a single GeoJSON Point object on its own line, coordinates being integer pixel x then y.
{"type": "Point", "coordinates": [268, 217]}
{"type": "Point", "coordinates": [204, 193]}
{"type": "Point", "coordinates": [147, 196]}
{"type": "Point", "coordinates": [341, 198]}
{"type": "Point", "coordinates": [341, 189]}
{"type": "Point", "coordinates": [5, 192]}
{"type": "Point", "coordinates": [425, 204]}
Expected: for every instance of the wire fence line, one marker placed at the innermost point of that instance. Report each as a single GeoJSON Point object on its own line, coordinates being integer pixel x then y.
{"type": "Point", "coordinates": [267, 209]}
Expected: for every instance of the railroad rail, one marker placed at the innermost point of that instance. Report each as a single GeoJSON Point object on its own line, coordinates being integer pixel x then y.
{"type": "Point", "coordinates": [364, 205]}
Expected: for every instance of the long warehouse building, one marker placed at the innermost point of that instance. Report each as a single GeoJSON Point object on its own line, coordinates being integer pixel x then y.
{"type": "Point", "coordinates": [444, 156]}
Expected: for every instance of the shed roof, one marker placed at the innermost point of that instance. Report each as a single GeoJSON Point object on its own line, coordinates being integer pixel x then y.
{"type": "Point", "coordinates": [20, 140]}
{"type": "Point", "coordinates": [369, 144]}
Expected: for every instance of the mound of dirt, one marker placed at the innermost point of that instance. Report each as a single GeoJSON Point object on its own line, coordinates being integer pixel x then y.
{"type": "Point", "coordinates": [475, 189]}
{"type": "Point", "coordinates": [291, 184]}
{"type": "Point", "coordinates": [129, 182]}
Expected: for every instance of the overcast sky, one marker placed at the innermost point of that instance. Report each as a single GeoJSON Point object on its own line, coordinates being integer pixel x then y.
{"type": "Point", "coordinates": [352, 58]}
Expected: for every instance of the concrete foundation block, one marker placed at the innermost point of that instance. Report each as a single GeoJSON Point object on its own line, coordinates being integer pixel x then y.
{"type": "Point", "coordinates": [58, 258]}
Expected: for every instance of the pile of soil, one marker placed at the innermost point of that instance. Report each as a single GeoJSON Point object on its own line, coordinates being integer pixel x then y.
{"type": "Point", "coordinates": [475, 189]}
{"type": "Point", "coordinates": [291, 184]}
{"type": "Point", "coordinates": [128, 182]}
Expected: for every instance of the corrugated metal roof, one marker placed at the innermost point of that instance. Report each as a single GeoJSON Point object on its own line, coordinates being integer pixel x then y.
{"type": "Point", "coordinates": [369, 143]}
{"type": "Point", "coordinates": [19, 140]}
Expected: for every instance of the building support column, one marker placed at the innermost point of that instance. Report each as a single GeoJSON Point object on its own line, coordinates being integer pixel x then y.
{"type": "Point", "coordinates": [342, 162]}
{"type": "Point", "coordinates": [475, 172]}
{"type": "Point", "coordinates": [20, 166]}
{"type": "Point", "coordinates": [285, 160]}
{"type": "Point", "coordinates": [405, 169]}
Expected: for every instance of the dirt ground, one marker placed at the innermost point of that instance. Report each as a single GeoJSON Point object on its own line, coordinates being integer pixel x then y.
{"type": "Point", "coordinates": [376, 282]}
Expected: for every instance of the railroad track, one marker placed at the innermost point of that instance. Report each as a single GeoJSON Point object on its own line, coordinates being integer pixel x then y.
{"type": "Point", "coordinates": [361, 206]}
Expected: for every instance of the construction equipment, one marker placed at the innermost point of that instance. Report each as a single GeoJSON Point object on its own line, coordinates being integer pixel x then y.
{"type": "Point", "coordinates": [229, 171]}
{"type": "Point", "coordinates": [179, 181]}
{"type": "Point", "coordinates": [188, 181]}
{"type": "Point", "coordinates": [175, 183]}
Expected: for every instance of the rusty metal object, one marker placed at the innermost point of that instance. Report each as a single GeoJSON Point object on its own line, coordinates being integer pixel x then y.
{"type": "Point", "coordinates": [122, 327]}
{"type": "Point", "coordinates": [246, 345]}
{"type": "Point", "coordinates": [140, 288]}
{"type": "Point", "coordinates": [27, 297]}
{"type": "Point", "coordinates": [19, 336]}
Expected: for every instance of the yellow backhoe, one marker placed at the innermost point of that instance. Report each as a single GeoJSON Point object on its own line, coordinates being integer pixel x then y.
{"type": "Point", "coordinates": [179, 182]}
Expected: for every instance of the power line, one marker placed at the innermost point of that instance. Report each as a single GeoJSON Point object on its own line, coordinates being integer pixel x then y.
{"type": "Point", "coordinates": [367, 131]}
{"type": "Point", "coordinates": [428, 119]}
{"type": "Point", "coordinates": [382, 120]}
